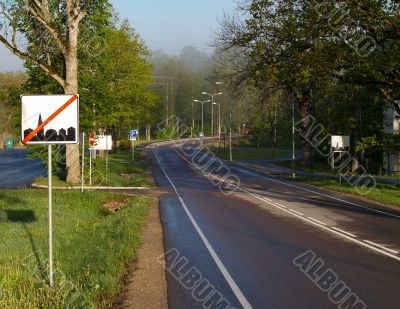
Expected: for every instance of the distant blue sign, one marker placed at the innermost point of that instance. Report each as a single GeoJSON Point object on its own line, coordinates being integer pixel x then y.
{"type": "Point", "coordinates": [133, 134]}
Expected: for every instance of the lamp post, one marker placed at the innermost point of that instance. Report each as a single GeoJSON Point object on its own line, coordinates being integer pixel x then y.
{"type": "Point", "coordinates": [202, 113]}
{"type": "Point", "coordinates": [219, 122]}
{"type": "Point", "coordinates": [293, 142]}
{"type": "Point", "coordinates": [212, 109]}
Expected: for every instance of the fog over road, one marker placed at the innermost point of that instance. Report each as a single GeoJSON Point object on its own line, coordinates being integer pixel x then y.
{"type": "Point", "coordinates": [272, 243]}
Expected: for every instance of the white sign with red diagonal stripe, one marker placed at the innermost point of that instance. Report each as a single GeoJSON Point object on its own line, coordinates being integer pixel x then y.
{"type": "Point", "coordinates": [52, 119]}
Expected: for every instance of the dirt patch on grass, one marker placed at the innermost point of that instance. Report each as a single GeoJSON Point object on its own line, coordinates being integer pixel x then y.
{"type": "Point", "coordinates": [147, 286]}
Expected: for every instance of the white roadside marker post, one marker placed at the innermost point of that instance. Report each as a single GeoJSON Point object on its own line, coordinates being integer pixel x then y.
{"type": "Point", "coordinates": [83, 161]}
{"type": "Point", "coordinates": [106, 159]}
{"type": "Point", "coordinates": [90, 166]}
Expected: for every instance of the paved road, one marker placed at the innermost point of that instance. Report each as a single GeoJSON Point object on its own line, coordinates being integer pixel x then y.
{"type": "Point", "coordinates": [271, 244]}
{"type": "Point", "coordinates": [16, 171]}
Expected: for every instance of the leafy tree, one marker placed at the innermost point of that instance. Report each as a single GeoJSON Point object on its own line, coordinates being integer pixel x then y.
{"type": "Point", "coordinates": [374, 60]}
{"type": "Point", "coordinates": [9, 83]}
{"type": "Point", "coordinates": [51, 29]}
{"type": "Point", "coordinates": [116, 84]}
{"type": "Point", "coordinates": [286, 46]}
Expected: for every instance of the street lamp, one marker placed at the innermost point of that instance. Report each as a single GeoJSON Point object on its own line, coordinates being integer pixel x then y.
{"type": "Point", "coordinates": [219, 122]}
{"type": "Point", "coordinates": [293, 142]}
{"type": "Point", "coordinates": [212, 109]}
{"type": "Point", "coordinates": [202, 113]}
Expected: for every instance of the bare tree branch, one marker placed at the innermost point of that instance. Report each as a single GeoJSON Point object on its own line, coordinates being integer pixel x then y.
{"type": "Point", "coordinates": [47, 69]}
{"type": "Point", "coordinates": [42, 14]}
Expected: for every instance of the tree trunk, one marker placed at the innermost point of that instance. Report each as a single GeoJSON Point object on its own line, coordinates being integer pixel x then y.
{"type": "Point", "coordinates": [71, 87]}
{"type": "Point", "coordinates": [306, 112]}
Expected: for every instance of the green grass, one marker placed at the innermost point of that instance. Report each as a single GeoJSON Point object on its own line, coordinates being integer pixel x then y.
{"type": "Point", "coordinates": [382, 192]}
{"type": "Point", "coordinates": [248, 153]}
{"type": "Point", "coordinates": [316, 167]}
{"type": "Point", "coordinates": [119, 162]}
{"type": "Point", "coordinates": [91, 247]}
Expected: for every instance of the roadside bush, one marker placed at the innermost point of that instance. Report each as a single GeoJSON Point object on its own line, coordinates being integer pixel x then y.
{"type": "Point", "coordinates": [124, 144]}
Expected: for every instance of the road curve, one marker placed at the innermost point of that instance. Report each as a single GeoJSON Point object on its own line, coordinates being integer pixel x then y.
{"type": "Point", "coordinates": [272, 243]}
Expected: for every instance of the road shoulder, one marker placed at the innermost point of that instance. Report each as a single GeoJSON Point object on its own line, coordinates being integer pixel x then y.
{"type": "Point", "coordinates": [147, 286]}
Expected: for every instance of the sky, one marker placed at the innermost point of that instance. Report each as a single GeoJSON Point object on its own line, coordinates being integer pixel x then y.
{"type": "Point", "coordinates": [163, 24]}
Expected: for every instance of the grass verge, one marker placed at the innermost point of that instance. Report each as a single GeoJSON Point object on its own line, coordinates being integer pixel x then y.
{"type": "Point", "coordinates": [122, 171]}
{"type": "Point", "coordinates": [382, 192]}
{"type": "Point", "coordinates": [91, 247]}
{"type": "Point", "coordinates": [248, 153]}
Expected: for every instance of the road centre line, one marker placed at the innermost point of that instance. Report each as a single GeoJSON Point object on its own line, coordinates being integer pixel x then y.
{"type": "Point", "coordinates": [327, 228]}
{"type": "Point", "coordinates": [320, 222]}
{"type": "Point", "coordinates": [296, 212]}
{"type": "Point", "coordinates": [380, 246]}
{"type": "Point", "coordinates": [345, 232]}
{"type": "Point", "coordinates": [231, 282]}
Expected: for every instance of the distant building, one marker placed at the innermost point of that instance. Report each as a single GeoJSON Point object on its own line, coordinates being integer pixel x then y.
{"type": "Point", "coordinates": [391, 126]}
{"type": "Point", "coordinates": [244, 129]}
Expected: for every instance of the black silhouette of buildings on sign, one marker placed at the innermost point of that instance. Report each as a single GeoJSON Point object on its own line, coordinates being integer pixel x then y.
{"type": "Point", "coordinates": [52, 135]}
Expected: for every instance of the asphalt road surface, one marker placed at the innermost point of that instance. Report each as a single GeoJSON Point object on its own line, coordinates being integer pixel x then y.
{"type": "Point", "coordinates": [16, 171]}
{"type": "Point", "coordinates": [270, 243]}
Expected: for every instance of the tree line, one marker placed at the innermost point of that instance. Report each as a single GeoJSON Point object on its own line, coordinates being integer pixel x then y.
{"type": "Point", "coordinates": [339, 61]}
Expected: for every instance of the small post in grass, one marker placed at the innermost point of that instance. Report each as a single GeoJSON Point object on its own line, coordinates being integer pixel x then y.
{"type": "Point", "coordinates": [83, 160]}
{"type": "Point", "coordinates": [50, 172]}
{"type": "Point", "coordinates": [90, 165]}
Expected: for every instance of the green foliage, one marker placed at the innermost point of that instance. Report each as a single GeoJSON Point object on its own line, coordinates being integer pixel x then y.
{"type": "Point", "coordinates": [369, 144]}
{"type": "Point", "coordinates": [114, 84]}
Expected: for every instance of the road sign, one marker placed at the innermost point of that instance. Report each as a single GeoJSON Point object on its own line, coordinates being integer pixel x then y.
{"type": "Point", "coordinates": [50, 119]}
{"type": "Point", "coordinates": [133, 134]}
{"type": "Point", "coordinates": [103, 142]}
{"type": "Point", "coordinates": [91, 139]}
{"type": "Point", "coordinates": [201, 134]}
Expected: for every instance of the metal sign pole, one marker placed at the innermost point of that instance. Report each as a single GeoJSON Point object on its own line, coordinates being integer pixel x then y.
{"type": "Point", "coordinates": [50, 172]}
{"type": "Point", "coordinates": [133, 150]}
{"type": "Point", "coordinates": [90, 166]}
{"type": "Point", "coordinates": [83, 160]}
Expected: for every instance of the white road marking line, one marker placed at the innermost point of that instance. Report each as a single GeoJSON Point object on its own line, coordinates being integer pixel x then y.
{"type": "Point", "coordinates": [380, 246]}
{"type": "Point", "coordinates": [328, 229]}
{"type": "Point", "coordinates": [236, 290]}
{"type": "Point", "coordinates": [315, 192]}
{"type": "Point", "coordinates": [334, 231]}
{"type": "Point", "coordinates": [320, 222]}
{"type": "Point", "coordinates": [280, 205]}
{"type": "Point", "coordinates": [296, 212]}
{"type": "Point", "coordinates": [342, 231]}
